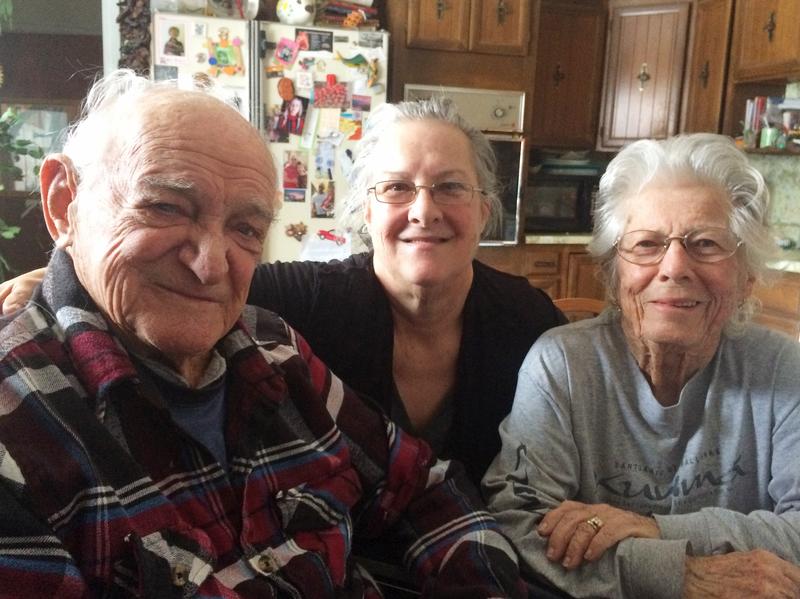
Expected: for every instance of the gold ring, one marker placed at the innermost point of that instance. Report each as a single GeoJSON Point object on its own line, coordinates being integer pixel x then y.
{"type": "Point", "coordinates": [595, 522]}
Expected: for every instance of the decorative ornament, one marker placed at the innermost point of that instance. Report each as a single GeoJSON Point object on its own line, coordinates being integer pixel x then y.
{"type": "Point", "coordinates": [354, 19]}
{"type": "Point", "coordinates": [297, 230]}
{"type": "Point", "coordinates": [295, 12]}
{"type": "Point", "coordinates": [285, 88]}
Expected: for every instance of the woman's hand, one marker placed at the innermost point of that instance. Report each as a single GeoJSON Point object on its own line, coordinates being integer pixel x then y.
{"type": "Point", "coordinates": [755, 574]}
{"type": "Point", "coordinates": [582, 531]}
{"type": "Point", "coordinates": [16, 292]}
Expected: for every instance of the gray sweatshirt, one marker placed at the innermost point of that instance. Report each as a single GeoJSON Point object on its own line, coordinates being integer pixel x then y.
{"type": "Point", "coordinates": [720, 471]}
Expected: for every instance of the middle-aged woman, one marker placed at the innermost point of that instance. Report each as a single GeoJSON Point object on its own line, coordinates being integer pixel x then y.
{"type": "Point", "coordinates": [653, 451]}
{"type": "Point", "coordinates": [419, 325]}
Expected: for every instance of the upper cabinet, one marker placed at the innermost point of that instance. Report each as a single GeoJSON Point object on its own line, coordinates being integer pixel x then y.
{"type": "Point", "coordinates": [644, 72]}
{"type": "Point", "coordinates": [566, 94]}
{"type": "Point", "coordinates": [706, 71]}
{"type": "Point", "coordinates": [768, 33]}
{"type": "Point", "coordinates": [486, 26]}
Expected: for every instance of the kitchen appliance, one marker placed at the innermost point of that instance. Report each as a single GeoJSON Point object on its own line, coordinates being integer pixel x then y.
{"type": "Point", "coordinates": [560, 202]}
{"type": "Point", "coordinates": [308, 89]}
{"type": "Point", "coordinates": [499, 114]}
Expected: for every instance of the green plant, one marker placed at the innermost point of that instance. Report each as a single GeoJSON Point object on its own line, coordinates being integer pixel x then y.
{"type": "Point", "coordinates": [11, 149]}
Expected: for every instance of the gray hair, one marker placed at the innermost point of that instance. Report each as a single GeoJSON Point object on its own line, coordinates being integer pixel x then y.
{"type": "Point", "coordinates": [702, 157]}
{"type": "Point", "coordinates": [435, 109]}
{"type": "Point", "coordinates": [93, 141]}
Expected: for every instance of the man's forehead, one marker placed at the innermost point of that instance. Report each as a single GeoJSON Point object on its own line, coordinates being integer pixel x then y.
{"type": "Point", "coordinates": [247, 200]}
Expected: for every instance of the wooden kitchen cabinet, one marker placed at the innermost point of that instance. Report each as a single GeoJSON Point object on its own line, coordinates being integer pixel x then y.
{"type": "Point", "coordinates": [484, 26]}
{"type": "Point", "coordinates": [582, 276]}
{"type": "Point", "coordinates": [566, 94]}
{"type": "Point", "coordinates": [558, 270]}
{"type": "Point", "coordinates": [644, 72]}
{"type": "Point", "coordinates": [768, 36]}
{"type": "Point", "coordinates": [438, 24]}
{"type": "Point", "coordinates": [707, 69]}
{"type": "Point", "coordinates": [780, 304]}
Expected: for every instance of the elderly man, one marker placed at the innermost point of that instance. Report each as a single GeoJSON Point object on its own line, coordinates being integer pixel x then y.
{"type": "Point", "coordinates": [158, 438]}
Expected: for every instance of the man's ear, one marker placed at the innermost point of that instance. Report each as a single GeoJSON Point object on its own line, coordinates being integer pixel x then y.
{"type": "Point", "coordinates": [59, 183]}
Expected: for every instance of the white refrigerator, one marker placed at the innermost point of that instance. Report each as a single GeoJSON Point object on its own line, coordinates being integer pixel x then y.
{"type": "Point", "coordinates": [309, 90]}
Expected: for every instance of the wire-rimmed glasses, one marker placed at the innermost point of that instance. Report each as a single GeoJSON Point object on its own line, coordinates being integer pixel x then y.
{"type": "Point", "coordinates": [447, 193]}
{"type": "Point", "coordinates": [707, 244]}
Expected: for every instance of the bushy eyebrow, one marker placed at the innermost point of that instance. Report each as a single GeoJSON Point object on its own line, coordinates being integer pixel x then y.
{"type": "Point", "coordinates": [187, 188]}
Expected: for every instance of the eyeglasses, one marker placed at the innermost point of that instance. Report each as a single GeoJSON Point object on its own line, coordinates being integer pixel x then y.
{"type": "Point", "coordinates": [446, 193]}
{"type": "Point", "coordinates": [709, 244]}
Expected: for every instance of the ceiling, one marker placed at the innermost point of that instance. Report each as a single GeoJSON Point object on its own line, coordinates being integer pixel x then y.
{"type": "Point", "coordinates": [75, 17]}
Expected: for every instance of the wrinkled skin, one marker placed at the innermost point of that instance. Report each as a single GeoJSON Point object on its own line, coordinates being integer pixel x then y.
{"type": "Point", "coordinates": [166, 244]}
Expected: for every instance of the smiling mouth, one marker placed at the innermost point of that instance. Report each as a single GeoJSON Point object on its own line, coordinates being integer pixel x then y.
{"type": "Point", "coordinates": [424, 240]}
{"type": "Point", "coordinates": [679, 304]}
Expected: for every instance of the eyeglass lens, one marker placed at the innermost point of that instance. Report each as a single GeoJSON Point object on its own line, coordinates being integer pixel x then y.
{"type": "Point", "coordinates": [404, 192]}
{"type": "Point", "coordinates": [709, 244]}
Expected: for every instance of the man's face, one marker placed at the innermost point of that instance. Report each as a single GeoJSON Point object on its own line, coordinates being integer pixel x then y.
{"type": "Point", "coordinates": [167, 242]}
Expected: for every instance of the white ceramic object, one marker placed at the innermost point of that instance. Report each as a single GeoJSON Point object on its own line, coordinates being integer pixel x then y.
{"type": "Point", "coordinates": [295, 12]}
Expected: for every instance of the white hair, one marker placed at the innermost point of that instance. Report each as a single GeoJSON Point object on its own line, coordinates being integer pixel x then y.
{"type": "Point", "coordinates": [705, 158]}
{"type": "Point", "coordinates": [94, 141]}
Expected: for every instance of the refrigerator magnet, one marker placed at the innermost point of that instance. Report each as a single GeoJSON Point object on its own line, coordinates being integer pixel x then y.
{"type": "Point", "coordinates": [286, 51]}
{"type": "Point", "coordinates": [304, 81]}
{"type": "Point", "coordinates": [285, 88]}
{"type": "Point", "coordinates": [225, 54]}
{"type": "Point", "coordinates": [295, 172]}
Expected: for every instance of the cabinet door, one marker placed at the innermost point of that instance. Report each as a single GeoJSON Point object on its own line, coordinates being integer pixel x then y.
{"type": "Point", "coordinates": [500, 26]}
{"type": "Point", "coordinates": [582, 277]}
{"type": "Point", "coordinates": [769, 38]}
{"type": "Point", "coordinates": [644, 72]}
{"type": "Point", "coordinates": [438, 24]}
{"type": "Point", "coordinates": [566, 93]}
{"type": "Point", "coordinates": [705, 77]}
{"type": "Point", "coordinates": [781, 305]}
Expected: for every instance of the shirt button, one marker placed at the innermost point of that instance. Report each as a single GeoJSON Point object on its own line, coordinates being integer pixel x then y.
{"type": "Point", "coordinates": [180, 575]}
{"type": "Point", "coordinates": [267, 564]}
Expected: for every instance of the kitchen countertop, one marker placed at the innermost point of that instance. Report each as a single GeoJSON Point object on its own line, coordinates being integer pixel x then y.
{"type": "Point", "coordinates": [556, 238]}
{"type": "Point", "coordinates": [786, 260]}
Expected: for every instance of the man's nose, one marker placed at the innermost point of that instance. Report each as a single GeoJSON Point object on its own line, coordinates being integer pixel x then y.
{"type": "Point", "coordinates": [207, 257]}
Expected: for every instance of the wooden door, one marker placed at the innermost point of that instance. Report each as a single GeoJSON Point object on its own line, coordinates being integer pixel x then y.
{"type": "Point", "coordinates": [644, 73]}
{"type": "Point", "coordinates": [769, 38]}
{"type": "Point", "coordinates": [500, 26]}
{"type": "Point", "coordinates": [438, 24]}
{"type": "Point", "coordinates": [705, 76]}
{"type": "Point", "coordinates": [566, 94]}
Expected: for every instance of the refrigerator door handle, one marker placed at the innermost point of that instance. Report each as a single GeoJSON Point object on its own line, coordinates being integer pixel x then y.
{"type": "Point", "coordinates": [262, 44]}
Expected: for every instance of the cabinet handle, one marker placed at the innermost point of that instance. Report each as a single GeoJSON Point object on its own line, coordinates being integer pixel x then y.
{"type": "Point", "coordinates": [544, 264]}
{"type": "Point", "coordinates": [704, 74]}
{"type": "Point", "coordinates": [643, 76]}
{"type": "Point", "coordinates": [502, 12]}
{"type": "Point", "coordinates": [770, 26]}
{"type": "Point", "coordinates": [440, 8]}
{"type": "Point", "coordinates": [558, 75]}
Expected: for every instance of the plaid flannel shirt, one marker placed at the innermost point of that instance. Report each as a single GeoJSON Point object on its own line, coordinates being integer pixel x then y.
{"type": "Point", "coordinates": [101, 494]}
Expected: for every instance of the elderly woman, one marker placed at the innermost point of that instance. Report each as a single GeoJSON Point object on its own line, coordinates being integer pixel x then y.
{"type": "Point", "coordinates": [419, 325]}
{"type": "Point", "coordinates": [652, 451]}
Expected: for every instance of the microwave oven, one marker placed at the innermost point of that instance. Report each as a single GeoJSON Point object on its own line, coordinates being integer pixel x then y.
{"type": "Point", "coordinates": [559, 203]}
